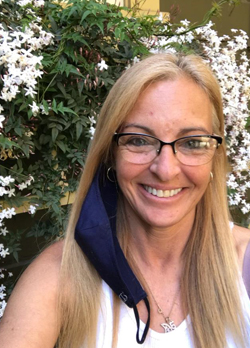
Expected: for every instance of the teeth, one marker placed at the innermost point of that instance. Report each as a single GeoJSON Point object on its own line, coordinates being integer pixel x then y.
{"type": "Point", "coordinates": [161, 193]}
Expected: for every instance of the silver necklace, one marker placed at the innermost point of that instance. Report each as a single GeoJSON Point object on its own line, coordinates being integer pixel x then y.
{"type": "Point", "coordinates": [169, 324]}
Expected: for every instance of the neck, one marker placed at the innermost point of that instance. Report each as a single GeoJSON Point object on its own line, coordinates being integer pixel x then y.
{"type": "Point", "coordinates": [162, 247]}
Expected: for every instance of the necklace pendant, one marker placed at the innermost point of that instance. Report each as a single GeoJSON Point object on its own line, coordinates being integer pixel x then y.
{"type": "Point", "coordinates": [169, 325]}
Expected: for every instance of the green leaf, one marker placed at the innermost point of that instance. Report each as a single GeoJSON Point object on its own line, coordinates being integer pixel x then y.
{"type": "Point", "coordinates": [117, 32]}
{"type": "Point", "coordinates": [54, 105]}
{"type": "Point", "coordinates": [15, 255]}
{"type": "Point", "coordinates": [76, 37]}
{"type": "Point", "coordinates": [78, 130]}
{"type": "Point", "coordinates": [30, 114]}
{"type": "Point", "coordinates": [23, 106]}
{"type": "Point", "coordinates": [62, 89]}
{"type": "Point", "coordinates": [70, 69]}
{"type": "Point", "coordinates": [56, 208]}
{"type": "Point", "coordinates": [54, 134]}
{"type": "Point", "coordinates": [80, 86]}
{"type": "Point", "coordinates": [61, 145]}
{"type": "Point", "coordinates": [53, 24]}
{"type": "Point", "coordinates": [72, 10]}
{"type": "Point", "coordinates": [26, 150]}
{"type": "Point", "coordinates": [110, 25]}
{"type": "Point", "coordinates": [68, 110]}
{"type": "Point", "coordinates": [18, 131]}
{"type": "Point", "coordinates": [39, 194]}
{"type": "Point", "coordinates": [46, 106]}
{"type": "Point", "coordinates": [100, 26]}
{"type": "Point", "coordinates": [85, 15]}
{"type": "Point", "coordinates": [5, 143]}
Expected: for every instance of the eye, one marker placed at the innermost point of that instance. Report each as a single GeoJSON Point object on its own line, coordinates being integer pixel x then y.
{"type": "Point", "coordinates": [192, 144]}
{"type": "Point", "coordinates": [137, 141]}
{"type": "Point", "coordinates": [201, 143]}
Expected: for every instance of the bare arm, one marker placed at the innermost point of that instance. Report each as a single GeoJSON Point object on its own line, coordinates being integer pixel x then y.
{"type": "Point", "coordinates": [31, 318]}
{"type": "Point", "coordinates": [242, 238]}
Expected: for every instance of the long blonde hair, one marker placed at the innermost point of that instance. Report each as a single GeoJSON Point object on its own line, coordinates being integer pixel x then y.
{"type": "Point", "coordinates": [210, 282]}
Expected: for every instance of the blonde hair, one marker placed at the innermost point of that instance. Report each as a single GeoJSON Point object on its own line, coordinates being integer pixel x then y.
{"type": "Point", "coordinates": [210, 281]}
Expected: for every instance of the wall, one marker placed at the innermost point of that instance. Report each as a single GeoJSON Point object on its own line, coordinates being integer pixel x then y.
{"type": "Point", "coordinates": [193, 10]}
{"type": "Point", "coordinates": [237, 17]}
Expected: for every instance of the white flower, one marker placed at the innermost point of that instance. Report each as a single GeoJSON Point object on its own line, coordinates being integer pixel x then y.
{"type": "Point", "coordinates": [43, 110]}
{"type": "Point", "coordinates": [102, 65]}
{"type": "Point", "coordinates": [3, 191]}
{"type": "Point", "coordinates": [25, 184]}
{"type": "Point", "coordinates": [30, 180]}
{"type": "Point", "coordinates": [4, 252]}
{"type": "Point", "coordinates": [24, 2]}
{"type": "Point", "coordinates": [7, 213]}
{"type": "Point", "coordinates": [2, 294]}
{"type": "Point", "coordinates": [5, 181]}
{"type": "Point", "coordinates": [32, 209]}
{"type": "Point", "coordinates": [38, 3]}
{"type": "Point", "coordinates": [11, 192]}
{"type": "Point", "coordinates": [34, 108]}
{"type": "Point", "coordinates": [30, 91]}
{"type": "Point", "coordinates": [3, 305]}
{"type": "Point", "coordinates": [160, 17]}
{"type": "Point", "coordinates": [2, 118]}
{"type": "Point", "coordinates": [22, 186]}
{"type": "Point", "coordinates": [91, 131]}
{"type": "Point", "coordinates": [4, 231]}
{"type": "Point", "coordinates": [6, 95]}
{"type": "Point", "coordinates": [136, 60]}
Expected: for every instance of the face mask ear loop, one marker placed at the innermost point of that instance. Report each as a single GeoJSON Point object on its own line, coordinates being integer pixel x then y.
{"type": "Point", "coordinates": [141, 341]}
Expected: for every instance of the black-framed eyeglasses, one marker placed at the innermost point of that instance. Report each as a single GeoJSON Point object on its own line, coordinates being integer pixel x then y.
{"type": "Point", "coordinates": [191, 150]}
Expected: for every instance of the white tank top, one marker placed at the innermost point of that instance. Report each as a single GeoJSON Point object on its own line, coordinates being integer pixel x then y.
{"type": "Point", "coordinates": [179, 338]}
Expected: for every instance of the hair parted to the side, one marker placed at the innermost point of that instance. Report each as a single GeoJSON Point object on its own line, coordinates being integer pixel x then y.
{"type": "Point", "coordinates": [210, 261]}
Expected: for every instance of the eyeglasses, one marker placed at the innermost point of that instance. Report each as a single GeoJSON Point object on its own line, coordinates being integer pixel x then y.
{"type": "Point", "coordinates": [191, 150]}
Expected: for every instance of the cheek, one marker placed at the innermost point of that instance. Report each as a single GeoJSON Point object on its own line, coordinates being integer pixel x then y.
{"type": "Point", "coordinates": [123, 172]}
{"type": "Point", "coordinates": [128, 175]}
{"type": "Point", "coordinates": [200, 176]}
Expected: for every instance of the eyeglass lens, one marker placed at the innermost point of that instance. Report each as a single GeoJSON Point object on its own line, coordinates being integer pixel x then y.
{"type": "Point", "coordinates": [142, 149]}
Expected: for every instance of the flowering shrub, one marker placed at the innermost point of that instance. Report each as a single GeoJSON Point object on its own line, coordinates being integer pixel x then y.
{"type": "Point", "coordinates": [58, 61]}
{"type": "Point", "coordinates": [8, 189]}
{"type": "Point", "coordinates": [227, 57]}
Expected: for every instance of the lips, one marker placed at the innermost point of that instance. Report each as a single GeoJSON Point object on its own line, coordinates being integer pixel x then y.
{"type": "Point", "coordinates": [162, 193]}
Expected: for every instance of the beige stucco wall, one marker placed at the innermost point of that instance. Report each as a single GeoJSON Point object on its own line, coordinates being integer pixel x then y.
{"type": "Point", "coordinates": [151, 6]}
{"type": "Point", "coordinates": [194, 11]}
{"type": "Point", "coordinates": [237, 17]}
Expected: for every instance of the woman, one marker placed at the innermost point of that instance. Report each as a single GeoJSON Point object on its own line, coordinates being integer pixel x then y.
{"type": "Point", "coordinates": [165, 200]}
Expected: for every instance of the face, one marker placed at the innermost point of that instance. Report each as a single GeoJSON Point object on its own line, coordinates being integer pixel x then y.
{"type": "Point", "coordinates": [167, 110]}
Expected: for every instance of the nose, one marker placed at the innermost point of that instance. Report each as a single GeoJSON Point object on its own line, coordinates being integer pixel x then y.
{"type": "Point", "coordinates": [166, 166]}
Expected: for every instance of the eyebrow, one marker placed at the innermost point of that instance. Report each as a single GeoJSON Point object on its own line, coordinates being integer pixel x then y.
{"type": "Point", "coordinates": [139, 126]}
{"type": "Point", "coordinates": [181, 132]}
{"type": "Point", "coordinates": [193, 129]}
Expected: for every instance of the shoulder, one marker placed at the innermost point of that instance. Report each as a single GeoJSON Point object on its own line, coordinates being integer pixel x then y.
{"type": "Point", "coordinates": [45, 267]}
{"type": "Point", "coordinates": [242, 239]}
{"type": "Point", "coordinates": [31, 318]}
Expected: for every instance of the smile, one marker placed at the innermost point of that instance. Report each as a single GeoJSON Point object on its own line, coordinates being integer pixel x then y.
{"type": "Point", "coordinates": [162, 193]}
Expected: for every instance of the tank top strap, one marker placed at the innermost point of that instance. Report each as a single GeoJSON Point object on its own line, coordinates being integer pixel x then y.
{"type": "Point", "coordinates": [246, 269]}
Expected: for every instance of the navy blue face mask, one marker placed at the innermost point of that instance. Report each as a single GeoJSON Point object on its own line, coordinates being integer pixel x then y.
{"type": "Point", "coordinates": [96, 235]}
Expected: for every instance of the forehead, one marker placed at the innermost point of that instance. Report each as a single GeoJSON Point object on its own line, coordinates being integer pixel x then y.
{"type": "Point", "coordinates": [171, 107]}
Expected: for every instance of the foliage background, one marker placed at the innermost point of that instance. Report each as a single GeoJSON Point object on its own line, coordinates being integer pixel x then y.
{"type": "Point", "coordinates": [61, 61]}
